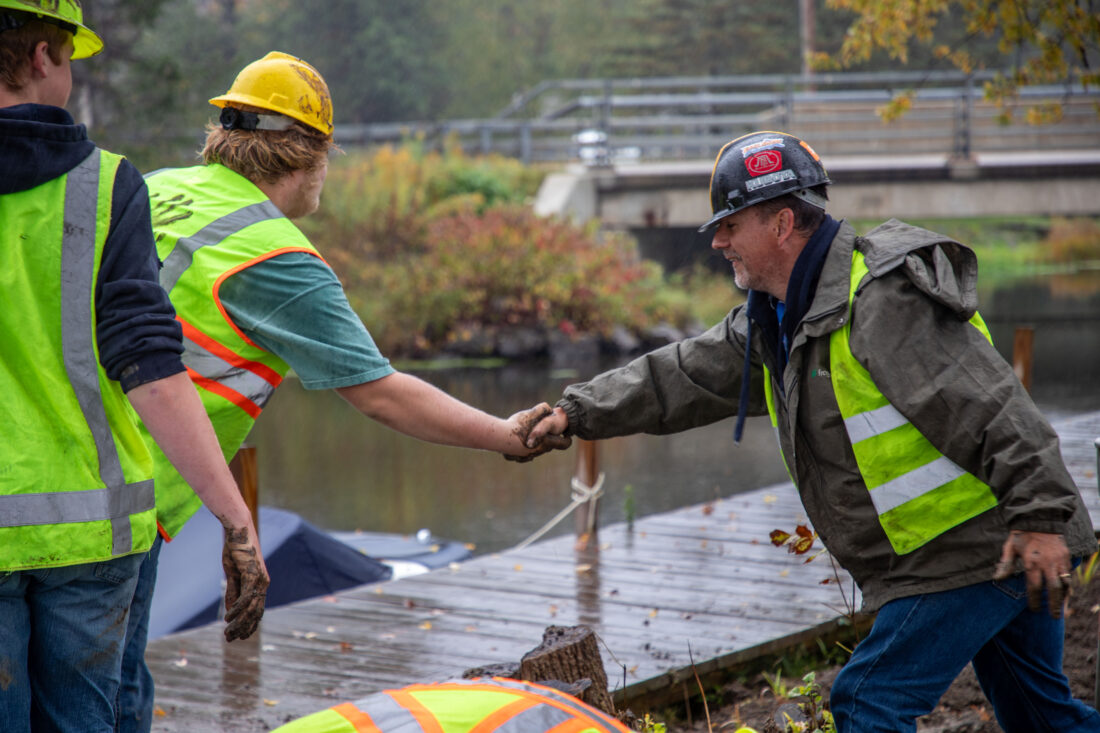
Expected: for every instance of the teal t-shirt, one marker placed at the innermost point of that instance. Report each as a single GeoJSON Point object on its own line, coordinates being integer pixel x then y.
{"type": "Point", "coordinates": [294, 306]}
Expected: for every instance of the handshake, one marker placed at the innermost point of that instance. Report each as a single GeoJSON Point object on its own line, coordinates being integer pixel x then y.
{"type": "Point", "coordinates": [538, 430]}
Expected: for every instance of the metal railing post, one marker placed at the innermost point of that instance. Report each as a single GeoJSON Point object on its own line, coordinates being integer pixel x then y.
{"type": "Point", "coordinates": [525, 143]}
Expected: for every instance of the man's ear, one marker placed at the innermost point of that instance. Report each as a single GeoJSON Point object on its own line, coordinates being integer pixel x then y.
{"type": "Point", "coordinates": [784, 224]}
{"type": "Point", "coordinates": [41, 63]}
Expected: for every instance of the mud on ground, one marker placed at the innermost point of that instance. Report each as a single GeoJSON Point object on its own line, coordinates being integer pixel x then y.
{"type": "Point", "coordinates": [963, 709]}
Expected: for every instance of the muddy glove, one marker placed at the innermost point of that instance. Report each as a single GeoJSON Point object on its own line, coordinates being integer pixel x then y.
{"type": "Point", "coordinates": [246, 582]}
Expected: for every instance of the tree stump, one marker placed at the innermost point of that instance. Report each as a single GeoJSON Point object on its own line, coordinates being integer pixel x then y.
{"type": "Point", "coordinates": [570, 654]}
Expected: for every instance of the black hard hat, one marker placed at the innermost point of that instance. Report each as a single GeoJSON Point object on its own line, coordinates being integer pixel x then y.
{"type": "Point", "coordinates": [761, 166]}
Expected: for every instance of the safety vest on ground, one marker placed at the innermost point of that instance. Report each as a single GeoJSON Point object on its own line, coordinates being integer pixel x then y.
{"type": "Point", "coordinates": [75, 475]}
{"type": "Point", "coordinates": [918, 492]}
{"type": "Point", "coordinates": [497, 705]}
{"type": "Point", "coordinates": [210, 223]}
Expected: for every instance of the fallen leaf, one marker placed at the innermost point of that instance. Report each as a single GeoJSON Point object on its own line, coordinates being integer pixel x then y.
{"type": "Point", "coordinates": [770, 498]}
{"type": "Point", "coordinates": [708, 509]}
{"type": "Point", "coordinates": [159, 712]}
{"type": "Point", "coordinates": [426, 625]}
{"type": "Point", "coordinates": [471, 627]}
{"type": "Point", "coordinates": [470, 546]}
{"type": "Point", "coordinates": [653, 613]}
{"type": "Point", "coordinates": [270, 703]}
{"type": "Point", "coordinates": [345, 647]}
{"type": "Point", "coordinates": [583, 568]}
{"type": "Point", "coordinates": [517, 568]}
{"type": "Point", "coordinates": [181, 662]}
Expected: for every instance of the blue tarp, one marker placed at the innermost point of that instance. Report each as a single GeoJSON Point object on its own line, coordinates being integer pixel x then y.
{"type": "Point", "coordinates": [302, 560]}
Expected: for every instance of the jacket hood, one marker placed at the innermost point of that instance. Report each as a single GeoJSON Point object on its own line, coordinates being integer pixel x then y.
{"type": "Point", "coordinates": [943, 269]}
{"type": "Point", "coordinates": [38, 143]}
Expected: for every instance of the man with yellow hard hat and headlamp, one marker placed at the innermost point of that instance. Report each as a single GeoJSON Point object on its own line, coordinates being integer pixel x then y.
{"type": "Point", "coordinates": [255, 298]}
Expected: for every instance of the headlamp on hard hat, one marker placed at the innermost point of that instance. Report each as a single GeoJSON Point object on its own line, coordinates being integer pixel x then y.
{"type": "Point", "coordinates": [17, 19]}
{"type": "Point", "coordinates": [232, 118]}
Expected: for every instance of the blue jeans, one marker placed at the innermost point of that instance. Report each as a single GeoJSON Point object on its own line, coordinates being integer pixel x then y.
{"type": "Point", "coordinates": [61, 636]}
{"type": "Point", "coordinates": [135, 694]}
{"type": "Point", "coordinates": [920, 644]}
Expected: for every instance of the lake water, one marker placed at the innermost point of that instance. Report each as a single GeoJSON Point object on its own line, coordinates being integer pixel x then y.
{"type": "Point", "coordinates": [319, 457]}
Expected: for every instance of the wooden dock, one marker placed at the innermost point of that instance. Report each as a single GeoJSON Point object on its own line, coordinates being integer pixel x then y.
{"type": "Point", "coordinates": [700, 584]}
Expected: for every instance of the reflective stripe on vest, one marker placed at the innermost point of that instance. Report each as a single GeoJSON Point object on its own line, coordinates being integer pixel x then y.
{"type": "Point", "coordinates": [247, 384]}
{"type": "Point", "coordinates": [183, 254]}
{"type": "Point", "coordinates": [918, 493]}
{"type": "Point", "coordinates": [119, 498]}
{"type": "Point", "coordinates": [498, 705]}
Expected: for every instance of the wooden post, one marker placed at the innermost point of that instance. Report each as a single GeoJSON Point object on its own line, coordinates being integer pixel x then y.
{"type": "Point", "coordinates": [1096, 693]}
{"type": "Point", "coordinates": [1021, 355]}
{"type": "Point", "coordinates": [243, 468]}
{"type": "Point", "coordinates": [588, 471]}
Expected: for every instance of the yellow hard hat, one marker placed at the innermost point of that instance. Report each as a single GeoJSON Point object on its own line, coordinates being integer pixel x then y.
{"type": "Point", "coordinates": [67, 14]}
{"type": "Point", "coordinates": [284, 84]}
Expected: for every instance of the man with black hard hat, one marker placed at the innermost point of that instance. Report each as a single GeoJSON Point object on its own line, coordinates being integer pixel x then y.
{"type": "Point", "coordinates": [920, 459]}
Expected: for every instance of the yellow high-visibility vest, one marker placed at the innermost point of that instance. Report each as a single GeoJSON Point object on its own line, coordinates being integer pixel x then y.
{"type": "Point", "coordinates": [75, 475]}
{"type": "Point", "coordinates": [918, 492]}
{"type": "Point", "coordinates": [212, 222]}
{"type": "Point", "coordinates": [482, 705]}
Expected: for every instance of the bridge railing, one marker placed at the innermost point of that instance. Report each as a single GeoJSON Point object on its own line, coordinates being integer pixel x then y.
{"type": "Point", "coordinates": [682, 118]}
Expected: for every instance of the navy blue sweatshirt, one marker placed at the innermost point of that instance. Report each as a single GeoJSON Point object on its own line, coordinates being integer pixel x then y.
{"type": "Point", "coordinates": [139, 339]}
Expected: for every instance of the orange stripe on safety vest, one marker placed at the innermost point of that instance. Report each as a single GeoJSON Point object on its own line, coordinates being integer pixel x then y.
{"type": "Point", "coordinates": [359, 720]}
{"type": "Point", "coordinates": [574, 725]}
{"type": "Point", "coordinates": [559, 699]}
{"type": "Point", "coordinates": [423, 716]}
{"type": "Point", "coordinates": [263, 371]}
{"type": "Point", "coordinates": [498, 717]}
{"type": "Point", "coordinates": [250, 263]}
{"type": "Point", "coordinates": [589, 716]}
{"type": "Point", "coordinates": [216, 387]}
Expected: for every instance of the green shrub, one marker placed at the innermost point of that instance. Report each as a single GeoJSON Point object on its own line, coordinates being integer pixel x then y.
{"type": "Point", "coordinates": [432, 245]}
{"type": "Point", "coordinates": [507, 267]}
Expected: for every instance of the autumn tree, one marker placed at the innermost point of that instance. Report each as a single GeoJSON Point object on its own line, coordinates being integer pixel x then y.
{"type": "Point", "coordinates": [1042, 41]}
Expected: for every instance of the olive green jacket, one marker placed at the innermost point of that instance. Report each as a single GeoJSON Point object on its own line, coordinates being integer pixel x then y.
{"type": "Point", "coordinates": [910, 331]}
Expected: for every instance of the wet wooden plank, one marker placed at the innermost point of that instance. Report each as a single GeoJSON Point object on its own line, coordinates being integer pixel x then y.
{"type": "Point", "coordinates": [648, 592]}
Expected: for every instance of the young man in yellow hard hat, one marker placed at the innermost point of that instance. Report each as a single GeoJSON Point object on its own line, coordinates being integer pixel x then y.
{"type": "Point", "coordinates": [85, 327]}
{"type": "Point", "coordinates": [255, 298]}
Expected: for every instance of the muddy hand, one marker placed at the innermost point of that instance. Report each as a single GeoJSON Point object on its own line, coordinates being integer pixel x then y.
{"type": "Point", "coordinates": [525, 422]}
{"type": "Point", "coordinates": [246, 583]}
{"type": "Point", "coordinates": [1046, 563]}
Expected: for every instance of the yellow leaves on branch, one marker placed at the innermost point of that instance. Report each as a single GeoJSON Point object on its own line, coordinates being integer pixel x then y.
{"type": "Point", "coordinates": [1044, 41]}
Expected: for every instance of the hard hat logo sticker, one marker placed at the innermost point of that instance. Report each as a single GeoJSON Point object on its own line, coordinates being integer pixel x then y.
{"type": "Point", "coordinates": [764, 162]}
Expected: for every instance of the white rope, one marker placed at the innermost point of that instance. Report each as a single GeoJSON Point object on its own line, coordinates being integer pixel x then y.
{"type": "Point", "coordinates": [580, 495]}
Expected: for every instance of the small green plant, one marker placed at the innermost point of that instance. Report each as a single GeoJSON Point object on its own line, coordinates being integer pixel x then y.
{"type": "Point", "coordinates": [649, 725]}
{"type": "Point", "coordinates": [776, 684]}
{"type": "Point", "coordinates": [1086, 570]}
{"type": "Point", "coordinates": [812, 706]}
{"type": "Point", "coordinates": [628, 505]}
